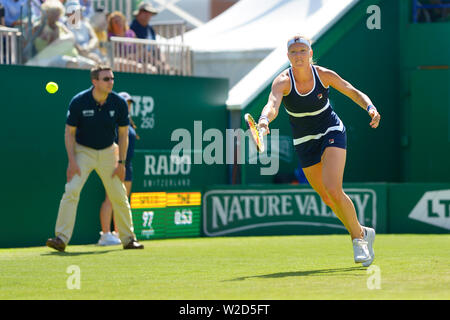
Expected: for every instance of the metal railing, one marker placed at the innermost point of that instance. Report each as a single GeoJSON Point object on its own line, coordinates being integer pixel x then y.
{"type": "Point", "coordinates": [417, 6]}
{"type": "Point", "coordinates": [149, 56]}
{"type": "Point", "coordinates": [9, 45]}
{"type": "Point", "coordinates": [170, 30]}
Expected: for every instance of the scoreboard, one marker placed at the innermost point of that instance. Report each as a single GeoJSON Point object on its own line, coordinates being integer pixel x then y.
{"type": "Point", "coordinates": [158, 215]}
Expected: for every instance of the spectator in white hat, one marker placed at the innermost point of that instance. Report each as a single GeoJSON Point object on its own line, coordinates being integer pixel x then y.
{"type": "Point", "coordinates": [86, 40]}
{"type": "Point", "coordinates": [140, 24]}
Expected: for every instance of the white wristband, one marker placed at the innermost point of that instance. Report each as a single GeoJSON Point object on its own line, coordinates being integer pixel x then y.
{"type": "Point", "coordinates": [264, 119]}
{"type": "Point", "coordinates": [370, 107]}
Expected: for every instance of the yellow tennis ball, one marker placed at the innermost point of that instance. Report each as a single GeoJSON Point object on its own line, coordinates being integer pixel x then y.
{"type": "Point", "coordinates": [51, 87]}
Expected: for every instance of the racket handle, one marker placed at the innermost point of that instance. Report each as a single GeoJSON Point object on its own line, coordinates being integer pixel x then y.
{"type": "Point", "coordinates": [262, 131]}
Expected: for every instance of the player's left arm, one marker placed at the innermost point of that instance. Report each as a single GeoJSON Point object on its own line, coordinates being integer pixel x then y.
{"type": "Point", "coordinates": [332, 79]}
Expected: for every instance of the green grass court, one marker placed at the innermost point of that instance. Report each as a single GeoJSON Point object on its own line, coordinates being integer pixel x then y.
{"type": "Point", "coordinates": [287, 267]}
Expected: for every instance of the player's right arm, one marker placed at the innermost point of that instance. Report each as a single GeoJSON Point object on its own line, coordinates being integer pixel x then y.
{"type": "Point", "coordinates": [69, 138]}
{"type": "Point", "coordinates": [280, 87]}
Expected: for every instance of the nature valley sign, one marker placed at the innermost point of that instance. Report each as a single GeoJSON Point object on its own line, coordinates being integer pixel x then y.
{"type": "Point", "coordinates": [279, 211]}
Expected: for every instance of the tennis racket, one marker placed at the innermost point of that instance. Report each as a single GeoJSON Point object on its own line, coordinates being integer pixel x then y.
{"type": "Point", "coordinates": [256, 134]}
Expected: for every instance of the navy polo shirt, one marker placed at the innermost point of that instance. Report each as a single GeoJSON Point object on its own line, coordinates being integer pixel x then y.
{"type": "Point", "coordinates": [142, 32]}
{"type": "Point", "coordinates": [96, 125]}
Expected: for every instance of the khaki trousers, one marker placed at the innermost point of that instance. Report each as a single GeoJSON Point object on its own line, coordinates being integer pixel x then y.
{"type": "Point", "coordinates": [103, 162]}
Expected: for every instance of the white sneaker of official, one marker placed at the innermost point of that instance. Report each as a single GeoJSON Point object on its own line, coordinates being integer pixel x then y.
{"type": "Point", "coordinates": [115, 234]}
{"type": "Point", "coordinates": [360, 250]}
{"type": "Point", "coordinates": [369, 236]}
{"type": "Point", "coordinates": [108, 239]}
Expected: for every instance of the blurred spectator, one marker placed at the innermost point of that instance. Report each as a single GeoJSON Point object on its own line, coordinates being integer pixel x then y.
{"type": "Point", "coordinates": [433, 14]}
{"type": "Point", "coordinates": [118, 26]}
{"type": "Point", "coordinates": [54, 42]}
{"type": "Point", "coordinates": [446, 13]}
{"type": "Point", "coordinates": [36, 9]}
{"type": "Point", "coordinates": [2, 15]}
{"type": "Point", "coordinates": [140, 24]}
{"type": "Point", "coordinates": [124, 53]}
{"type": "Point", "coordinates": [99, 22]}
{"type": "Point", "coordinates": [14, 10]}
{"type": "Point", "coordinates": [86, 41]}
{"type": "Point", "coordinates": [88, 8]}
{"type": "Point", "coordinates": [143, 30]}
{"type": "Point", "coordinates": [53, 28]}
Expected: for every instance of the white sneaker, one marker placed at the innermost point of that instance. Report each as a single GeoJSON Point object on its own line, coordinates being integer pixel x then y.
{"type": "Point", "coordinates": [360, 250]}
{"type": "Point", "coordinates": [369, 236]}
{"type": "Point", "coordinates": [107, 239]}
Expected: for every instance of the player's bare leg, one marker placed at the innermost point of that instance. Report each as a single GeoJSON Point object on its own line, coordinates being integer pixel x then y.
{"type": "Point", "coordinates": [326, 178]}
{"type": "Point", "coordinates": [333, 164]}
{"type": "Point", "coordinates": [314, 176]}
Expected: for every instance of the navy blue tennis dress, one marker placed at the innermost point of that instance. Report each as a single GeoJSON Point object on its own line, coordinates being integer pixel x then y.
{"type": "Point", "coordinates": [315, 125]}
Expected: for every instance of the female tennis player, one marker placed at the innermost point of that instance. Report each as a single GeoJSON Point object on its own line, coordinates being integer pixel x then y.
{"type": "Point", "coordinates": [319, 135]}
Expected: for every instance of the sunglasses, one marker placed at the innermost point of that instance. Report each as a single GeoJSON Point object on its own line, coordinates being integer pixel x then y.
{"type": "Point", "coordinates": [107, 79]}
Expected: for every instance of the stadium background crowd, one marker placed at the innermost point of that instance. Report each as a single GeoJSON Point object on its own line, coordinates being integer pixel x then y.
{"type": "Point", "coordinates": [72, 33]}
{"type": "Point", "coordinates": [76, 33]}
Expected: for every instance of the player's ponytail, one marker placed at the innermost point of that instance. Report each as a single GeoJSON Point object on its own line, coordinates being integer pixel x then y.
{"type": "Point", "coordinates": [134, 127]}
